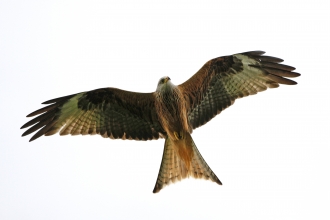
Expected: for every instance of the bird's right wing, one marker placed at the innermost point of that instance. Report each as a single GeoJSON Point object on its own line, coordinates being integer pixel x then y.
{"type": "Point", "coordinates": [110, 112]}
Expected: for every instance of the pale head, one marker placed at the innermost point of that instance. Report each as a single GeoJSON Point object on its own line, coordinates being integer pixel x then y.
{"type": "Point", "coordinates": [163, 83]}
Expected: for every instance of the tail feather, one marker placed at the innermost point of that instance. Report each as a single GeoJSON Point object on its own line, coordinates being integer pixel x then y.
{"type": "Point", "coordinates": [181, 159]}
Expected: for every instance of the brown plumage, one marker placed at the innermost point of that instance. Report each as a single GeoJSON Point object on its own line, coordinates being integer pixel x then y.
{"type": "Point", "coordinates": [171, 112]}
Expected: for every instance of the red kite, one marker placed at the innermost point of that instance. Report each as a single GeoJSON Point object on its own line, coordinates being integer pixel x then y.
{"type": "Point", "coordinates": [171, 112]}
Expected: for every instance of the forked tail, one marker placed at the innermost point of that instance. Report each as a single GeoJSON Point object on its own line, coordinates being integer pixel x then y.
{"type": "Point", "coordinates": [182, 159]}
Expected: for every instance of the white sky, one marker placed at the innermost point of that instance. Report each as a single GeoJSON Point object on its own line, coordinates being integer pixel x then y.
{"type": "Point", "coordinates": [271, 151]}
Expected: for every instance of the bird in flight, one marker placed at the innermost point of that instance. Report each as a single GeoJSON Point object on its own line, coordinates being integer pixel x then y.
{"type": "Point", "coordinates": [171, 112]}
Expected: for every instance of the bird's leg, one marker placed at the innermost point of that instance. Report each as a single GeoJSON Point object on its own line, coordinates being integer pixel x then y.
{"type": "Point", "coordinates": [179, 136]}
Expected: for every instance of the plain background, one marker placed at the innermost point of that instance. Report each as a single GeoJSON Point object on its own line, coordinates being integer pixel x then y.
{"type": "Point", "coordinates": [271, 150]}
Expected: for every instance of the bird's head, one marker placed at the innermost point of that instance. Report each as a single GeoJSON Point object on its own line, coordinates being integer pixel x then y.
{"type": "Point", "coordinates": [164, 83]}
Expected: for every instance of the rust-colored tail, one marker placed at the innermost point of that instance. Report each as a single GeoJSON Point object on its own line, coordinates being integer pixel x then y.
{"type": "Point", "coordinates": [182, 159]}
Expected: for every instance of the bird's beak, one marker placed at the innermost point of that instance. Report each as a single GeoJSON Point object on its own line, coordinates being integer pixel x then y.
{"type": "Point", "coordinates": [166, 79]}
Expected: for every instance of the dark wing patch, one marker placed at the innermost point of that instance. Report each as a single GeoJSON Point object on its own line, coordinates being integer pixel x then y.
{"type": "Point", "coordinates": [109, 112]}
{"type": "Point", "coordinates": [222, 80]}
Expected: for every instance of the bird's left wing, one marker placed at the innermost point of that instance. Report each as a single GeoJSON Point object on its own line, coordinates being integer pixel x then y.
{"type": "Point", "coordinates": [222, 80]}
{"type": "Point", "coordinates": [110, 112]}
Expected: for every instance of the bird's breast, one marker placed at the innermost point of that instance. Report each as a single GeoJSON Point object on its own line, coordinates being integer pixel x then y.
{"type": "Point", "coordinates": [172, 113]}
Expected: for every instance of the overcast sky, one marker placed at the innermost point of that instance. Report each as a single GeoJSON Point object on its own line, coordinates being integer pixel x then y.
{"type": "Point", "coordinates": [271, 150]}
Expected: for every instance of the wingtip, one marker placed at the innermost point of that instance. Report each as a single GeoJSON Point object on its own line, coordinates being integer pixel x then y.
{"type": "Point", "coordinates": [34, 137]}
{"type": "Point", "coordinates": [51, 101]}
{"type": "Point", "coordinates": [255, 52]}
{"type": "Point", "coordinates": [31, 139]}
{"type": "Point", "coordinates": [47, 102]}
{"type": "Point", "coordinates": [290, 82]}
{"type": "Point", "coordinates": [296, 74]}
{"type": "Point", "coordinates": [33, 113]}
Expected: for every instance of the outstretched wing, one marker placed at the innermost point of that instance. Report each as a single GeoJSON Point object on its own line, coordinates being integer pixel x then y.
{"type": "Point", "coordinates": [109, 112]}
{"type": "Point", "coordinates": [222, 80]}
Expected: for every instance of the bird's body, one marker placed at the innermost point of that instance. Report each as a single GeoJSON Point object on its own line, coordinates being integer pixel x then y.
{"type": "Point", "coordinates": [171, 109]}
{"type": "Point", "coordinates": [171, 112]}
{"type": "Point", "coordinates": [181, 157]}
